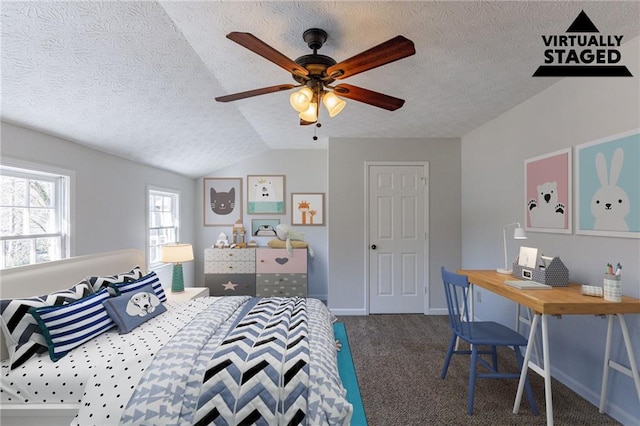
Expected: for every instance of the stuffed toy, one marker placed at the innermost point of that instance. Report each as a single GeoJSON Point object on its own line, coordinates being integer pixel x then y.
{"type": "Point", "coordinates": [286, 233]}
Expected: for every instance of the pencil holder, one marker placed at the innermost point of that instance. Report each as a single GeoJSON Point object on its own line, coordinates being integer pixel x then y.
{"type": "Point", "coordinates": [612, 288]}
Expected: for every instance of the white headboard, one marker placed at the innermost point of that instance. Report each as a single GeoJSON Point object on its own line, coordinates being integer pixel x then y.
{"type": "Point", "coordinates": [44, 278]}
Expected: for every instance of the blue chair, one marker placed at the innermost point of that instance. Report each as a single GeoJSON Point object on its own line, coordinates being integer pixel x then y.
{"type": "Point", "coordinates": [476, 334]}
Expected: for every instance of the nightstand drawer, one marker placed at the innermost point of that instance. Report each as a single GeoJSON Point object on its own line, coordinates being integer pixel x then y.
{"type": "Point", "coordinates": [231, 284]}
{"type": "Point", "coordinates": [299, 290]}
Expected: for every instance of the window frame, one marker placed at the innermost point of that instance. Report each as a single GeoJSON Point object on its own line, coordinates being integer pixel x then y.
{"type": "Point", "coordinates": [175, 195]}
{"type": "Point", "coordinates": [64, 181]}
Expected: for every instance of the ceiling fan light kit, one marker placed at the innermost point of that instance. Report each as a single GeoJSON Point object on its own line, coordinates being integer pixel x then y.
{"type": "Point", "coordinates": [315, 73]}
{"type": "Point", "coordinates": [301, 99]}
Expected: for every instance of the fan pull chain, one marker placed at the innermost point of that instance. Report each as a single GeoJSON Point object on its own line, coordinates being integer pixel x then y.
{"type": "Point", "coordinates": [318, 125]}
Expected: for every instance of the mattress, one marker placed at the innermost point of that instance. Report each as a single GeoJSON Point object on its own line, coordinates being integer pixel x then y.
{"type": "Point", "coordinates": [103, 375]}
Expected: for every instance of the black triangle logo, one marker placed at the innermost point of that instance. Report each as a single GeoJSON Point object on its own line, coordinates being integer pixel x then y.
{"type": "Point", "coordinates": [582, 24]}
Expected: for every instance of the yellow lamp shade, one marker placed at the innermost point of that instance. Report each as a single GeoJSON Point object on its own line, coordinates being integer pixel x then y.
{"type": "Point", "coordinates": [333, 104]}
{"type": "Point", "coordinates": [300, 100]}
{"type": "Point", "coordinates": [311, 114]}
{"type": "Point", "coordinates": [176, 253]}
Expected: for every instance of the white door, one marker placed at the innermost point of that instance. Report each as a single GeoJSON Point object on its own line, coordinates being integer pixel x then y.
{"type": "Point", "coordinates": [398, 261]}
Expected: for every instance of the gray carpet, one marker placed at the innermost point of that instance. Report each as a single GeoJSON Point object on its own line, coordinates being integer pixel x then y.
{"type": "Point", "coordinates": [398, 360]}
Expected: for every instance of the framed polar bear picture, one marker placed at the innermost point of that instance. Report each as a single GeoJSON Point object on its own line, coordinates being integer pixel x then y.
{"type": "Point", "coordinates": [547, 188]}
{"type": "Point", "coordinates": [265, 194]}
{"type": "Point", "coordinates": [608, 186]}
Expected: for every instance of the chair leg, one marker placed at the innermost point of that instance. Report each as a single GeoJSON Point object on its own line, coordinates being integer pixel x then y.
{"type": "Point", "coordinates": [472, 378]}
{"type": "Point", "coordinates": [447, 359]}
{"type": "Point", "coordinates": [494, 358]}
{"type": "Point", "coordinates": [527, 383]}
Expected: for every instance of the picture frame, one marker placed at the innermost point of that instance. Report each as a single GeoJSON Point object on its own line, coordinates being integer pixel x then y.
{"type": "Point", "coordinates": [307, 208]}
{"type": "Point", "coordinates": [548, 192]}
{"type": "Point", "coordinates": [265, 194]}
{"type": "Point", "coordinates": [264, 227]}
{"type": "Point", "coordinates": [608, 186]}
{"type": "Point", "coordinates": [222, 199]}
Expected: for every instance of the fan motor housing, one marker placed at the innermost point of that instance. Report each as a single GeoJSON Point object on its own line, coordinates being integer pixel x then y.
{"type": "Point", "coordinates": [316, 65]}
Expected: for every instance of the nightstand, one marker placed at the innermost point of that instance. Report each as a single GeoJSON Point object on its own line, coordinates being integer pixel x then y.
{"type": "Point", "coordinates": [189, 293]}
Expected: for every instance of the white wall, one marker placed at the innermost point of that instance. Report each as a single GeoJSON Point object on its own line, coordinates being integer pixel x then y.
{"type": "Point", "coordinates": [347, 239]}
{"type": "Point", "coordinates": [571, 112]}
{"type": "Point", "coordinates": [305, 171]}
{"type": "Point", "coordinates": [110, 193]}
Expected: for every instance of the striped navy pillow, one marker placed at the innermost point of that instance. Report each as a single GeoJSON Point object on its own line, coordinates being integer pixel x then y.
{"type": "Point", "coordinates": [69, 326]}
{"type": "Point", "coordinates": [150, 278]}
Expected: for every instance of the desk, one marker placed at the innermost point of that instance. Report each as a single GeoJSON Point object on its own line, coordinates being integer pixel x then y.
{"type": "Point", "coordinates": [561, 301]}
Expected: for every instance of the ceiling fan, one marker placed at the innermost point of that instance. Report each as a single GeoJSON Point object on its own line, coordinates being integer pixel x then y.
{"type": "Point", "coordinates": [314, 73]}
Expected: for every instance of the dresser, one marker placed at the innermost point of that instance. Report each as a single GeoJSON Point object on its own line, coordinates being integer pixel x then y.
{"type": "Point", "coordinates": [230, 272]}
{"type": "Point", "coordinates": [255, 272]}
{"type": "Point", "coordinates": [281, 274]}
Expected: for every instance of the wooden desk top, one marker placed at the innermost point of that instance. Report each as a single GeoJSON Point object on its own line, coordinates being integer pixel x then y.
{"type": "Point", "coordinates": [557, 301]}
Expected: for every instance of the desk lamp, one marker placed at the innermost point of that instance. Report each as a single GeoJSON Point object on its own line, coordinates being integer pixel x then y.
{"type": "Point", "coordinates": [518, 234]}
{"type": "Point", "coordinates": [177, 253]}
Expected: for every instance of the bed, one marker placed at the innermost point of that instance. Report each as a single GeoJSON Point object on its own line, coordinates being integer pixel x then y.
{"type": "Point", "coordinates": [215, 360]}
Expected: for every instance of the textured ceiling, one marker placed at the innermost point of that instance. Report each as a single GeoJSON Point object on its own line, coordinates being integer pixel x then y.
{"type": "Point", "coordinates": [138, 79]}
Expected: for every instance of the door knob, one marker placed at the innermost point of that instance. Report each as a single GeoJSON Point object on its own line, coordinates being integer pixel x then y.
{"type": "Point", "coordinates": [373, 247]}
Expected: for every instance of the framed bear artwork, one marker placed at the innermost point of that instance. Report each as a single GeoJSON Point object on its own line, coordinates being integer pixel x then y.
{"type": "Point", "coordinates": [222, 201]}
{"type": "Point", "coordinates": [265, 194]}
{"type": "Point", "coordinates": [547, 188]}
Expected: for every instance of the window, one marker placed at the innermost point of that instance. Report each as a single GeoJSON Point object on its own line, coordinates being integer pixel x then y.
{"type": "Point", "coordinates": [34, 215]}
{"type": "Point", "coordinates": [163, 221]}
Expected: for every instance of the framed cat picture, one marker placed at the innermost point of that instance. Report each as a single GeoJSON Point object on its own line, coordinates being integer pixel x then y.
{"type": "Point", "coordinates": [222, 201]}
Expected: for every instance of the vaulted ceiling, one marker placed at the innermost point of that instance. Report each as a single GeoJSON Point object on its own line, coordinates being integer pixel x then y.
{"type": "Point", "coordinates": [138, 79]}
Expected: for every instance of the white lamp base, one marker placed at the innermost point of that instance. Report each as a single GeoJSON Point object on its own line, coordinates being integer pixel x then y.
{"type": "Point", "coordinates": [504, 271]}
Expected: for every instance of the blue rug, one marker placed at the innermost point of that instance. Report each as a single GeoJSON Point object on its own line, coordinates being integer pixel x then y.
{"type": "Point", "coordinates": [348, 375]}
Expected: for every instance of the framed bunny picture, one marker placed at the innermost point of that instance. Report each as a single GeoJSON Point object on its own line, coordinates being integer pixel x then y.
{"type": "Point", "coordinates": [608, 186]}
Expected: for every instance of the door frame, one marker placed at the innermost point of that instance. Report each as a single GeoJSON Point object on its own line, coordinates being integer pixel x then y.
{"type": "Point", "coordinates": [367, 242]}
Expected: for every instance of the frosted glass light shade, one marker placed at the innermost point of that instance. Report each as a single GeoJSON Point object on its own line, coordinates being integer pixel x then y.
{"type": "Point", "coordinates": [311, 114]}
{"type": "Point", "coordinates": [176, 253]}
{"type": "Point", "coordinates": [333, 104]}
{"type": "Point", "coordinates": [301, 99]}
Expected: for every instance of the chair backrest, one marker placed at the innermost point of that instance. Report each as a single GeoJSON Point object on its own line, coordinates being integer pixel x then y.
{"type": "Point", "coordinates": [456, 288]}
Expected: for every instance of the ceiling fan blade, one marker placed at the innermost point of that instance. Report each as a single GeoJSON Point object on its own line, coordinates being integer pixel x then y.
{"type": "Point", "coordinates": [305, 122]}
{"type": "Point", "coordinates": [255, 92]}
{"type": "Point", "coordinates": [370, 97]}
{"type": "Point", "coordinates": [258, 46]}
{"type": "Point", "coordinates": [392, 50]}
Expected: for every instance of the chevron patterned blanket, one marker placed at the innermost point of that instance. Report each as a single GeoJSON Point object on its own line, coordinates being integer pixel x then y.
{"type": "Point", "coordinates": [239, 361]}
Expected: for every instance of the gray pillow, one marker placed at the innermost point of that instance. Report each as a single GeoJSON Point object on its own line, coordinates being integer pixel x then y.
{"type": "Point", "coordinates": [131, 309]}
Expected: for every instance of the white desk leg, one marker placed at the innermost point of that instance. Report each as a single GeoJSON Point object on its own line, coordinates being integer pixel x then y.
{"type": "Point", "coordinates": [525, 365]}
{"type": "Point", "coordinates": [605, 368]}
{"type": "Point", "coordinates": [545, 372]}
{"type": "Point", "coordinates": [633, 372]}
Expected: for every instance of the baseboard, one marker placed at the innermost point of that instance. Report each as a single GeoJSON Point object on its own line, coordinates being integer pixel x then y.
{"type": "Point", "coordinates": [348, 312]}
{"type": "Point", "coordinates": [438, 311]}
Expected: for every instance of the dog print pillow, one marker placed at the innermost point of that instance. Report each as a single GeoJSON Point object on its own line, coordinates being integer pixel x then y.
{"type": "Point", "coordinates": [134, 308]}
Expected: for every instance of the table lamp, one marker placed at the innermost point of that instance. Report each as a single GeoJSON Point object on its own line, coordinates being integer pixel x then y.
{"type": "Point", "coordinates": [177, 253]}
{"type": "Point", "coordinates": [518, 234]}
